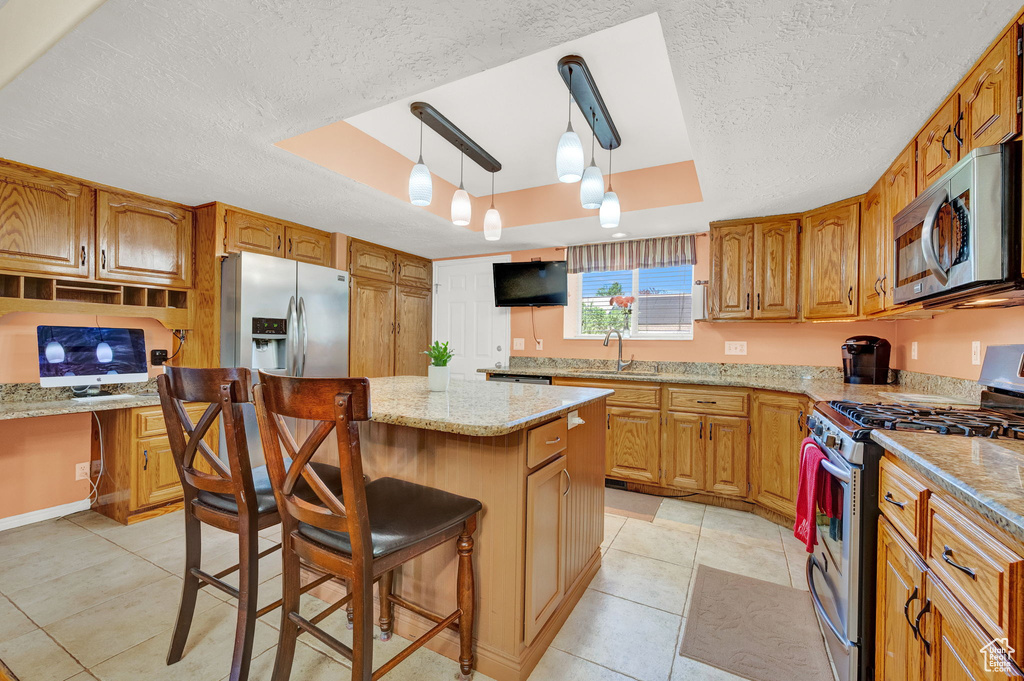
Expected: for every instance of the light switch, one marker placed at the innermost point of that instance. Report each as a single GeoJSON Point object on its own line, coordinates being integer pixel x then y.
{"type": "Point", "coordinates": [518, 343]}
{"type": "Point", "coordinates": [736, 347]}
{"type": "Point", "coordinates": [913, 350]}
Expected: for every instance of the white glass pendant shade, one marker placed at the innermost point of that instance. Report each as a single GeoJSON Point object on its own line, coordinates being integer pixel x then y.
{"type": "Point", "coordinates": [569, 157]}
{"type": "Point", "coordinates": [54, 352]}
{"type": "Point", "coordinates": [104, 353]}
{"type": "Point", "coordinates": [492, 224]}
{"type": "Point", "coordinates": [610, 211]}
{"type": "Point", "coordinates": [592, 187]}
{"type": "Point", "coordinates": [462, 208]}
{"type": "Point", "coordinates": [421, 188]}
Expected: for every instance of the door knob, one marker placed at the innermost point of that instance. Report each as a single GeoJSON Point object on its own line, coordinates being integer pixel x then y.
{"type": "Point", "coordinates": [499, 348]}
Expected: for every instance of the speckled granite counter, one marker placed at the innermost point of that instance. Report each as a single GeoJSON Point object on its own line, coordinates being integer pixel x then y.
{"type": "Point", "coordinates": [28, 400]}
{"type": "Point", "coordinates": [478, 408]}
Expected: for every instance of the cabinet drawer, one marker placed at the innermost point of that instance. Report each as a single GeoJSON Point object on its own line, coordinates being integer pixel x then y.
{"type": "Point", "coordinates": [627, 393]}
{"type": "Point", "coordinates": [545, 441]}
{"type": "Point", "coordinates": [149, 421]}
{"type": "Point", "coordinates": [985, 581]}
{"type": "Point", "coordinates": [902, 500]}
{"type": "Point", "coordinates": [718, 401]}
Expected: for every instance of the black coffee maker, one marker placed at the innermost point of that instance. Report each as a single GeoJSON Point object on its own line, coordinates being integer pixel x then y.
{"type": "Point", "coordinates": [866, 360]}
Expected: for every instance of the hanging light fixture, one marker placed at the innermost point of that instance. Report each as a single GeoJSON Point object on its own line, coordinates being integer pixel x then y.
{"type": "Point", "coordinates": [492, 219]}
{"type": "Point", "coordinates": [420, 186]}
{"type": "Point", "coordinates": [610, 211]}
{"type": "Point", "coordinates": [569, 156]}
{"type": "Point", "coordinates": [592, 185]}
{"type": "Point", "coordinates": [462, 208]}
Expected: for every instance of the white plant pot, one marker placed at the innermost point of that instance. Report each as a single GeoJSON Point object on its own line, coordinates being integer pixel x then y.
{"type": "Point", "coordinates": [438, 378]}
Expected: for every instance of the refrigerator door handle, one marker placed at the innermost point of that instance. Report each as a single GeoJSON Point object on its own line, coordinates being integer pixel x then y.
{"type": "Point", "coordinates": [304, 330]}
{"type": "Point", "coordinates": [290, 337]}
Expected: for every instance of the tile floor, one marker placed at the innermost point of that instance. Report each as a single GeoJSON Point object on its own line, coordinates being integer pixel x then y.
{"type": "Point", "coordinates": [84, 598]}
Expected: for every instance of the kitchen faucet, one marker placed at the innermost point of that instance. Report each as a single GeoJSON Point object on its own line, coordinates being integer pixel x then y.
{"type": "Point", "coordinates": [621, 365]}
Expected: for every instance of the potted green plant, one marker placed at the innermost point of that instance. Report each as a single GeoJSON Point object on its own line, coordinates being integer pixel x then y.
{"type": "Point", "coordinates": [438, 374]}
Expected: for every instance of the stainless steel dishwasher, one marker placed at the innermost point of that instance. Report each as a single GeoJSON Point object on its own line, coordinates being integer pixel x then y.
{"type": "Point", "coordinates": [517, 378]}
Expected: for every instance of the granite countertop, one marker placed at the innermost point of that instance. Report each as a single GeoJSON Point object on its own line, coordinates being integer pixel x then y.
{"type": "Point", "coordinates": [17, 409]}
{"type": "Point", "coordinates": [476, 408]}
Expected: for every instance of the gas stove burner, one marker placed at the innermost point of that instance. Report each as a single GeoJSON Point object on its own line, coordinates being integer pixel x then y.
{"type": "Point", "coordinates": [943, 421]}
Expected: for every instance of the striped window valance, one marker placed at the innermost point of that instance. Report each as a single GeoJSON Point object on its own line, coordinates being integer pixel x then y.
{"type": "Point", "coordinates": [667, 251]}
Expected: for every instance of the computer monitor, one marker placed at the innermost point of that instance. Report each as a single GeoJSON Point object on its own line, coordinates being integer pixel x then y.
{"type": "Point", "coordinates": [90, 355]}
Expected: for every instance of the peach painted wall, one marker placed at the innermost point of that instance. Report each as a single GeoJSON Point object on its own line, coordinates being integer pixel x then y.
{"type": "Point", "coordinates": [944, 342]}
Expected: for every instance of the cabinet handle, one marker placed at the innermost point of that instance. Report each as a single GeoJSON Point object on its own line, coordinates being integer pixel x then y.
{"type": "Point", "coordinates": [700, 436]}
{"type": "Point", "coordinates": [706, 402]}
{"type": "Point", "coordinates": [711, 431]}
{"type": "Point", "coordinates": [608, 421]}
{"type": "Point", "coordinates": [289, 245]}
{"type": "Point", "coordinates": [83, 256]}
{"type": "Point", "coordinates": [898, 504]}
{"type": "Point", "coordinates": [279, 242]}
{"type": "Point", "coordinates": [399, 327]}
{"type": "Point", "coordinates": [949, 154]}
{"type": "Point", "coordinates": [103, 259]}
{"type": "Point", "coordinates": [800, 420]}
{"type": "Point", "coordinates": [145, 459]}
{"type": "Point", "coordinates": [917, 626]}
{"type": "Point", "coordinates": [568, 481]}
{"type": "Point", "coordinates": [956, 130]}
{"type": "Point", "coordinates": [758, 301]}
{"type": "Point", "coordinates": [392, 328]}
{"type": "Point", "coordinates": [906, 610]}
{"type": "Point", "coordinates": [884, 278]}
{"type": "Point", "coordinates": [399, 269]}
{"type": "Point", "coordinates": [849, 295]}
{"type": "Point", "coordinates": [748, 301]}
{"type": "Point", "coordinates": [553, 442]}
{"type": "Point", "coordinates": [947, 556]}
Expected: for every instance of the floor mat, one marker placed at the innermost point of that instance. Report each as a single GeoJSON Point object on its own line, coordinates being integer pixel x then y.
{"type": "Point", "coordinates": [631, 504]}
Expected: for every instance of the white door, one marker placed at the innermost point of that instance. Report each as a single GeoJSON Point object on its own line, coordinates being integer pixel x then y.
{"type": "Point", "coordinates": [465, 316]}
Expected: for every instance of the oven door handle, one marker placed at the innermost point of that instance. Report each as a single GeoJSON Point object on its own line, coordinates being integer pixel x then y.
{"type": "Point", "coordinates": [836, 472]}
{"type": "Point", "coordinates": [931, 258]}
{"type": "Point", "coordinates": [820, 608]}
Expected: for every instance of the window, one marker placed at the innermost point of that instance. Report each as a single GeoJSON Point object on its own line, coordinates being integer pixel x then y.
{"type": "Point", "coordinates": [661, 304]}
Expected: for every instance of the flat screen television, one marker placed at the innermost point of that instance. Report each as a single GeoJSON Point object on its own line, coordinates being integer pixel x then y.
{"type": "Point", "coordinates": [530, 284]}
{"type": "Point", "coordinates": [90, 355]}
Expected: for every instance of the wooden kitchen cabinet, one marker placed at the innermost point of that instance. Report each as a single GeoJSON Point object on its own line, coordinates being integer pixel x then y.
{"type": "Point", "coordinates": [634, 444]}
{"type": "Point", "coordinates": [308, 245]}
{"type": "Point", "coordinates": [988, 98]}
{"type": "Point", "coordinates": [726, 451]}
{"type": "Point", "coordinates": [899, 653]}
{"type": "Point", "coordinates": [412, 330]}
{"type": "Point", "coordinates": [245, 231]}
{"type": "Point", "coordinates": [413, 271]}
{"type": "Point", "coordinates": [732, 271]}
{"type": "Point", "coordinates": [155, 475]}
{"type": "Point", "coordinates": [143, 241]}
{"type": "Point", "coordinates": [873, 261]}
{"type": "Point", "coordinates": [46, 222]}
{"type": "Point", "coordinates": [546, 516]}
{"type": "Point", "coordinates": [937, 150]}
{"type": "Point", "coordinates": [372, 328]}
{"type": "Point", "coordinates": [831, 242]}
{"type": "Point", "coordinates": [683, 451]}
{"type": "Point", "coordinates": [371, 261]}
{"type": "Point", "coordinates": [899, 189]}
{"type": "Point", "coordinates": [776, 269]}
{"type": "Point", "coordinates": [779, 430]}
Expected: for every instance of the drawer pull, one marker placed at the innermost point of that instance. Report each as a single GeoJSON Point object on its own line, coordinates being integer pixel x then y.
{"type": "Point", "coordinates": [568, 481]}
{"type": "Point", "coordinates": [946, 553]}
{"type": "Point", "coordinates": [707, 402]}
{"type": "Point", "coordinates": [83, 256]}
{"type": "Point", "coordinates": [917, 626]}
{"type": "Point", "coordinates": [553, 442]}
{"type": "Point", "coordinates": [897, 504]}
{"type": "Point", "coordinates": [145, 459]}
{"type": "Point", "coordinates": [906, 610]}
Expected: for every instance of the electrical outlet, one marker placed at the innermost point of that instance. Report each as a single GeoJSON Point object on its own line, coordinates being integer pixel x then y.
{"type": "Point", "coordinates": [976, 352]}
{"type": "Point", "coordinates": [913, 350]}
{"type": "Point", "coordinates": [540, 344]}
{"type": "Point", "coordinates": [736, 347]}
{"type": "Point", "coordinates": [82, 471]}
{"type": "Point", "coordinates": [518, 343]}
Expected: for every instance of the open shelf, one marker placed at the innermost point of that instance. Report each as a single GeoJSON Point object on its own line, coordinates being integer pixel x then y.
{"type": "Point", "coordinates": [10, 286]}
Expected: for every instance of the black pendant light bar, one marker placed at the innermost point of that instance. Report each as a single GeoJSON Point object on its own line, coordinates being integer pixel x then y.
{"type": "Point", "coordinates": [588, 98]}
{"type": "Point", "coordinates": [449, 131]}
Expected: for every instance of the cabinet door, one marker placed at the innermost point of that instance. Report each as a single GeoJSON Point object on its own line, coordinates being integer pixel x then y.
{"type": "Point", "coordinates": [545, 544]}
{"type": "Point", "coordinates": [372, 332]}
{"type": "Point", "coordinates": [412, 331]}
{"type": "Point", "coordinates": [776, 277]}
{"type": "Point", "coordinates": [634, 444]}
{"type": "Point", "coordinates": [155, 476]}
{"type": "Point", "coordinates": [46, 223]}
{"type": "Point", "coordinates": [255, 233]}
{"type": "Point", "coordinates": [899, 655]}
{"type": "Point", "coordinates": [683, 451]}
{"type": "Point", "coordinates": [371, 261]}
{"type": "Point", "coordinates": [413, 271]}
{"type": "Point", "coordinates": [585, 525]}
{"type": "Point", "coordinates": [143, 241]}
{"type": "Point", "coordinates": [308, 245]}
{"type": "Point", "coordinates": [937, 150]}
{"type": "Point", "coordinates": [988, 99]}
{"type": "Point", "coordinates": [775, 454]}
{"type": "Point", "coordinates": [726, 448]}
{"type": "Point", "coordinates": [732, 271]}
{"type": "Point", "coordinates": [830, 255]}
{"type": "Point", "coordinates": [900, 190]}
{"type": "Point", "coordinates": [872, 250]}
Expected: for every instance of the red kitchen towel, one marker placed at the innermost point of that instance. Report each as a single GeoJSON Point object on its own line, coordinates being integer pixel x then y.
{"type": "Point", "coordinates": [808, 490]}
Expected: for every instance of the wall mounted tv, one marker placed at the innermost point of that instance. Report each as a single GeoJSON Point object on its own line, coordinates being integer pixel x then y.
{"type": "Point", "coordinates": [530, 284]}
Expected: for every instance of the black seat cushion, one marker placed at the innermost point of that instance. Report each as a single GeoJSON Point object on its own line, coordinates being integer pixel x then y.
{"type": "Point", "coordinates": [265, 501]}
{"type": "Point", "coordinates": [401, 514]}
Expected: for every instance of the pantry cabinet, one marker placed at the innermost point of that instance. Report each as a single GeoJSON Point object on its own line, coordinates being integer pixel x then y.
{"type": "Point", "coordinates": [831, 242]}
{"type": "Point", "coordinates": [372, 332]}
{"type": "Point", "coordinates": [754, 269]}
{"type": "Point", "coordinates": [371, 261]}
{"type": "Point", "coordinates": [143, 241]}
{"type": "Point", "coordinates": [779, 429]}
{"type": "Point", "coordinates": [412, 330]}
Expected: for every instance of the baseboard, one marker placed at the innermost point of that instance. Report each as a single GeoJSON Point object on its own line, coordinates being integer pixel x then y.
{"type": "Point", "coordinates": [42, 514]}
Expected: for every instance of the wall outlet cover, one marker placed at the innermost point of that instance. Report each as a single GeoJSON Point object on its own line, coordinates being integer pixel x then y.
{"type": "Point", "coordinates": [976, 352]}
{"type": "Point", "coordinates": [736, 347]}
{"type": "Point", "coordinates": [913, 350]}
{"type": "Point", "coordinates": [540, 344]}
{"type": "Point", "coordinates": [518, 343]}
{"type": "Point", "coordinates": [82, 471]}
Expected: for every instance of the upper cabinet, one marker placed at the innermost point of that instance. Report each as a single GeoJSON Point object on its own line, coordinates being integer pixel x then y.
{"type": "Point", "coordinates": [413, 271]}
{"type": "Point", "coordinates": [988, 98]}
{"type": "Point", "coordinates": [308, 245]}
{"type": "Point", "coordinates": [872, 250]}
{"type": "Point", "coordinates": [248, 231]}
{"type": "Point", "coordinates": [776, 273]}
{"type": "Point", "coordinates": [143, 241]}
{"type": "Point", "coordinates": [46, 222]}
{"type": "Point", "coordinates": [732, 271]}
{"type": "Point", "coordinates": [937, 150]}
{"type": "Point", "coordinates": [831, 241]}
{"type": "Point", "coordinates": [371, 261]}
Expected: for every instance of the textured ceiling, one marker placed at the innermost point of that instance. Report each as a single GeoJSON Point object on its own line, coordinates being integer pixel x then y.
{"type": "Point", "coordinates": [788, 103]}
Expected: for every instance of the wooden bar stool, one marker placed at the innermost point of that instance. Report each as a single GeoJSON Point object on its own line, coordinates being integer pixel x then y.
{"type": "Point", "coordinates": [362, 538]}
{"type": "Point", "coordinates": [234, 497]}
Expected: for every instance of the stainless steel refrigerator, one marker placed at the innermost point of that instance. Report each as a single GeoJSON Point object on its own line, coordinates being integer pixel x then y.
{"type": "Point", "coordinates": [283, 316]}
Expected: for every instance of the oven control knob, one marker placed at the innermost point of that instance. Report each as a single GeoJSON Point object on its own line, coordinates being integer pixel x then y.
{"type": "Point", "coordinates": [830, 441]}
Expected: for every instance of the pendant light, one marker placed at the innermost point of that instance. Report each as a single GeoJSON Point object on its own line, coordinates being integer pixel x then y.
{"type": "Point", "coordinates": [569, 156]}
{"type": "Point", "coordinates": [462, 208]}
{"type": "Point", "coordinates": [610, 210]}
{"type": "Point", "coordinates": [492, 219]}
{"type": "Point", "coordinates": [592, 185]}
{"type": "Point", "coordinates": [420, 186]}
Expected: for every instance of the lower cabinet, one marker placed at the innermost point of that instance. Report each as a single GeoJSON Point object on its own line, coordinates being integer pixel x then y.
{"type": "Point", "coordinates": [389, 328]}
{"type": "Point", "coordinates": [634, 444]}
{"type": "Point", "coordinates": [778, 425]}
{"type": "Point", "coordinates": [726, 455]}
{"type": "Point", "coordinates": [154, 473]}
{"type": "Point", "coordinates": [683, 451]}
{"type": "Point", "coordinates": [412, 330]}
{"type": "Point", "coordinates": [899, 653]}
{"type": "Point", "coordinates": [546, 518]}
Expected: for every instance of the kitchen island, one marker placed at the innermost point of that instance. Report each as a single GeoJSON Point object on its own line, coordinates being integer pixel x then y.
{"type": "Point", "coordinates": [534, 456]}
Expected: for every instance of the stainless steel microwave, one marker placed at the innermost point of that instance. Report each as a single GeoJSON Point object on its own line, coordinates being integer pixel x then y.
{"type": "Point", "coordinates": [956, 237]}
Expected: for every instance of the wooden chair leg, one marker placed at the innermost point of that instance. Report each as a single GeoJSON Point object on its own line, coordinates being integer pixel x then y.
{"type": "Point", "coordinates": [466, 600]}
{"type": "Point", "coordinates": [248, 597]}
{"type": "Point", "coordinates": [387, 608]}
{"type": "Point", "coordinates": [291, 594]}
{"type": "Point", "coordinates": [362, 630]}
{"type": "Point", "coordinates": [190, 589]}
{"type": "Point", "coordinates": [349, 609]}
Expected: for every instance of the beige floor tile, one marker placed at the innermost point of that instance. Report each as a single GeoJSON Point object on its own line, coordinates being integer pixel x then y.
{"type": "Point", "coordinates": [170, 554]}
{"type": "Point", "coordinates": [687, 669]}
{"type": "Point", "coordinates": [27, 539]}
{"type": "Point", "coordinates": [798, 571]}
{"type": "Point", "coordinates": [35, 657]}
{"type": "Point", "coordinates": [644, 580]}
{"type": "Point", "coordinates": [207, 654]}
{"type": "Point", "coordinates": [335, 626]}
{"type": "Point", "coordinates": [270, 591]}
{"type": "Point", "coordinates": [680, 515]}
{"type": "Point", "coordinates": [270, 564]}
{"type": "Point", "coordinates": [13, 622]}
{"type": "Point", "coordinates": [72, 593]}
{"type": "Point", "coordinates": [84, 676]}
{"type": "Point", "coordinates": [663, 543]}
{"type": "Point", "coordinates": [740, 526]}
{"type": "Point", "coordinates": [612, 525]}
{"type": "Point", "coordinates": [307, 665]}
{"type": "Point", "coordinates": [54, 560]}
{"type": "Point", "coordinates": [624, 636]}
{"type": "Point", "coordinates": [148, 532]}
{"type": "Point", "coordinates": [103, 631]}
{"type": "Point", "coordinates": [743, 559]}
{"type": "Point", "coordinates": [93, 521]}
{"type": "Point", "coordinates": [561, 666]}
